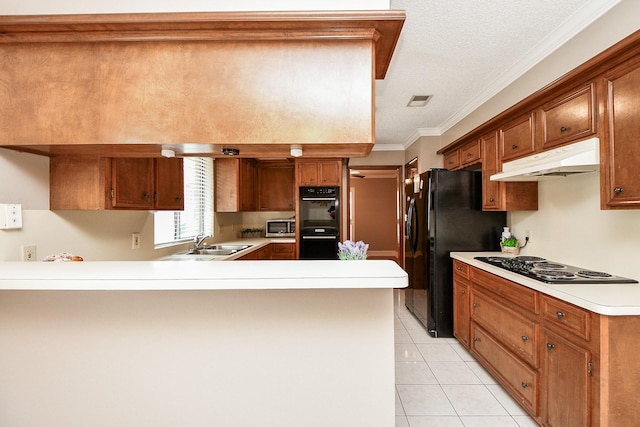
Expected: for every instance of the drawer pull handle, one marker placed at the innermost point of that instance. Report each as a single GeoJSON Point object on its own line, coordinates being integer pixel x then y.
{"type": "Point", "coordinates": [617, 190]}
{"type": "Point", "coordinates": [525, 338]}
{"type": "Point", "coordinates": [550, 346]}
{"type": "Point", "coordinates": [563, 129]}
{"type": "Point", "coordinates": [559, 314]}
{"type": "Point", "coordinates": [525, 385]}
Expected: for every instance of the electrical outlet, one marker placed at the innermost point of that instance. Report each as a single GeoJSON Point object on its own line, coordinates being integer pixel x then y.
{"type": "Point", "coordinates": [29, 253]}
{"type": "Point", "coordinates": [528, 234]}
{"type": "Point", "coordinates": [135, 240]}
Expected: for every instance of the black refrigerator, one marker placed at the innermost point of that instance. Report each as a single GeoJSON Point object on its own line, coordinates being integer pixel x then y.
{"type": "Point", "coordinates": [444, 215]}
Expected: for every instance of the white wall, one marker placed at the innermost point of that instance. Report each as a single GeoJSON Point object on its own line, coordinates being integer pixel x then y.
{"type": "Point", "coordinates": [568, 226]}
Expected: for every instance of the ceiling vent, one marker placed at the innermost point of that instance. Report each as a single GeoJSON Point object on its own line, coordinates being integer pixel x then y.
{"type": "Point", "coordinates": [419, 100]}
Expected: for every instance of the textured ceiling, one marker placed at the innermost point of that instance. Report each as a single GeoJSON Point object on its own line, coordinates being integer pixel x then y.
{"type": "Point", "coordinates": [463, 52]}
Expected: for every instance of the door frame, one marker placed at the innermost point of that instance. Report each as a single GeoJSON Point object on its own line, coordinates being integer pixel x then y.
{"type": "Point", "coordinates": [395, 172]}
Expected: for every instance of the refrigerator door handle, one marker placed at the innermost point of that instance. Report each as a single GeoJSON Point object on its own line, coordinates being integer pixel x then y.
{"type": "Point", "coordinates": [412, 226]}
{"type": "Point", "coordinates": [429, 204]}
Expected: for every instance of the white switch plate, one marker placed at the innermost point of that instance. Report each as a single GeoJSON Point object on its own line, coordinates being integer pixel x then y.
{"type": "Point", "coordinates": [135, 240]}
{"type": "Point", "coordinates": [10, 216]}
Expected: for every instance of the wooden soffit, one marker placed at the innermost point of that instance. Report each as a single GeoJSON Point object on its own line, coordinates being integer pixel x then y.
{"type": "Point", "coordinates": [194, 81]}
{"type": "Point", "coordinates": [383, 27]}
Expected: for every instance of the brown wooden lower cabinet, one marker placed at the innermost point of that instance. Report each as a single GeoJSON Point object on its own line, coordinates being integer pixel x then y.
{"type": "Point", "coordinates": [272, 251]}
{"type": "Point", "coordinates": [565, 365]}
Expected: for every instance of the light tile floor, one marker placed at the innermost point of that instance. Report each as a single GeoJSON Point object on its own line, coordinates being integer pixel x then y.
{"type": "Point", "coordinates": [439, 384]}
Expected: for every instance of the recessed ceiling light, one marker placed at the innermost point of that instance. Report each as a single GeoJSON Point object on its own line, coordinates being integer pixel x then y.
{"type": "Point", "coordinates": [419, 100]}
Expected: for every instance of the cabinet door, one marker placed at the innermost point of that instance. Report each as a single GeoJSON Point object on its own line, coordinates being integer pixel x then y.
{"type": "Point", "coordinates": [461, 310]}
{"type": "Point", "coordinates": [621, 156]}
{"type": "Point", "coordinates": [307, 173]}
{"type": "Point", "coordinates": [132, 183]}
{"type": "Point", "coordinates": [282, 250]}
{"type": "Point", "coordinates": [247, 191]}
{"type": "Point", "coordinates": [452, 160]}
{"type": "Point", "coordinates": [276, 187]}
{"type": "Point", "coordinates": [566, 382]}
{"type": "Point", "coordinates": [517, 138]}
{"type": "Point", "coordinates": [470, 153]}
{"type": "Point", "coordinates": [169, 180]}
{"type": "Point", "coordinates": [490, 189]}
{"type": "Point", "coordinates": [569, 118]}
{"type": "Point", "coordinates": [329, 172]}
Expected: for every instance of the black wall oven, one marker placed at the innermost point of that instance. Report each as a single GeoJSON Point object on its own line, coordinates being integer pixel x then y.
{"type": "Point", "coordinates": [319, 222]}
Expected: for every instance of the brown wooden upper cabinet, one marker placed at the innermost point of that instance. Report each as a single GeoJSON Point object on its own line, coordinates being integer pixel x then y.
{"type": "Point", "coordinates": [318, 172]}
{"type": "Point", "coordinates": [235, 185]}
{"type": "Point", "coordinates": [621, 151]}
{"type": "Point", "coordinates": [276, 186]}
{"type": "Point", "coordinates": [467, 155]}
{"type": "Point", "coordinates": [517, 138]}
{"type": "Point", "coordinates": [569, 118]}
{"type": "Point", "coordinates": [95, 183]}
{"type": "Point", "coordinates": [503, 196]}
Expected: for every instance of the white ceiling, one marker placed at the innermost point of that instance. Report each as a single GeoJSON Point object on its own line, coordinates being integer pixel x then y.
{"type": "Point", "coordinates": [462, 52]}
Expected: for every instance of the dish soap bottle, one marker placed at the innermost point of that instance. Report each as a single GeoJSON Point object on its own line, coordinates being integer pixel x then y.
{"type": "Point", "coordinates": [506, 234]}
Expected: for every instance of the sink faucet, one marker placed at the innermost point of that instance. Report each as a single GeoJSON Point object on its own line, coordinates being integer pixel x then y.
{"type": "Point", "coordinates": [197, 241]}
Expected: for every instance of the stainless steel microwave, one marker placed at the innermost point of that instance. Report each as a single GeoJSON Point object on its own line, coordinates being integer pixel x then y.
{"type": "Point", "coordinates": [280, 228]}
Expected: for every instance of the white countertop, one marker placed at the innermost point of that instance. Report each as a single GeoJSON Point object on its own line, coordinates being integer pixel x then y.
{"type": "Point", "coordinates": [191, 275]}
{"type": "Point", "coordinates": [609, 299]}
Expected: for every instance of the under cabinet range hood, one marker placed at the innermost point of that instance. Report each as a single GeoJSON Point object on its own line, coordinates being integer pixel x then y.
{"type": "Point", "coordinates": [581, 157]}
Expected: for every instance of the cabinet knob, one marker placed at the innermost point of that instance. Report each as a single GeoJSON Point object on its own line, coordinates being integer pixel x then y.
{"type": "Point", "coordinates": [464, 291]}
{"type": "Point", "coordinates": [459, 268]}
{"type": "Point", "coordinates": [514, 147]}
{"type": "Point", "coordinates": [491, 199]}
{"type": "Point", "coordinates": [617, 190]}
{"type": "Point", "coordinates": [550, 346]}
{"type": "Point", "coordinates": [178, 198]}
{"type": "Point", "coordinates": [476, 340]}
{"type": "Point", "coordinates": [563, 129]}
{"type": "Point", "coordinates": [145, 195]}
{"type": "Point", "coordinates": [525, 385]}
{"type": "Point", "coordinates": [525, 338]}
{"type": "Point", "coordinates": [475, 304]}
{"type": "Point", "coordinates": [559, 314]}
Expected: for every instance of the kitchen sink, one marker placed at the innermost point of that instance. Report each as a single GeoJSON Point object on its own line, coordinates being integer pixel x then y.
{"type": "Point", "coordinates": [216, 250]}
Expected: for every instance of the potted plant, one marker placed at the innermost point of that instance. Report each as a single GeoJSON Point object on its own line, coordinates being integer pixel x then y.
{"type": "Point", "coordinates": [510, 245]}
{"type": "Point", "coordinates": [350, 250]}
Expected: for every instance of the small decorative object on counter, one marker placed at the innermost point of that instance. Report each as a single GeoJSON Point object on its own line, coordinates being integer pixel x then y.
{"type": "Point", "coordinates": [350, 250]}
{"type": "Point", "coordinates": [251, 233]}
{"type": "Point", "coordinates": [63, 257]}
{"type": "Point", "coordinates": [509, 243]}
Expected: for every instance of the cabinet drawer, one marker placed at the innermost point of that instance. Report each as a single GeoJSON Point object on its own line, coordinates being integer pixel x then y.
{"type": "Point", "coordinates": [513, 374]}
{"type": "Point", "coordinates": [567, 316]}
{"type": "Point", "coordinates": [517, 294]}
{"type": "Point", "coordinates": [452, 160]}
{"type": "Point", "coordinates": [516, 332]}
{"type": "Point", "coordinates": [470, 153]}
{"type": "Point", "coordinates": [569, 118]}
{"type": "Point", "coordinates": [461, 269]}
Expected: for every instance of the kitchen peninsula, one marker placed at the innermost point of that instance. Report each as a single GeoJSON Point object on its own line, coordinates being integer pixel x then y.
{"type": "Point", "coordinates": [165, 343]}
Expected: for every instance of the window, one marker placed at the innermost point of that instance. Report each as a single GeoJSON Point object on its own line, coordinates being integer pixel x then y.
{"type": "Point", "coordinates": [172, 227]}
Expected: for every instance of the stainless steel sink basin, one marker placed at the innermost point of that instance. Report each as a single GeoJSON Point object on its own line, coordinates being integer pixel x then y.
{"type": "Point", "coordinates": [217, 250]}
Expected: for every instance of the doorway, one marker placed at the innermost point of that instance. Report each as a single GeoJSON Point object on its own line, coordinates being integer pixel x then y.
{"type": "Point", "coordinates": [375, 210]}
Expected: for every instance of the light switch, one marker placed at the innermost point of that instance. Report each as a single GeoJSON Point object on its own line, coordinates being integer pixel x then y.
{"type": "Point", "coordinates": [10, 216]}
